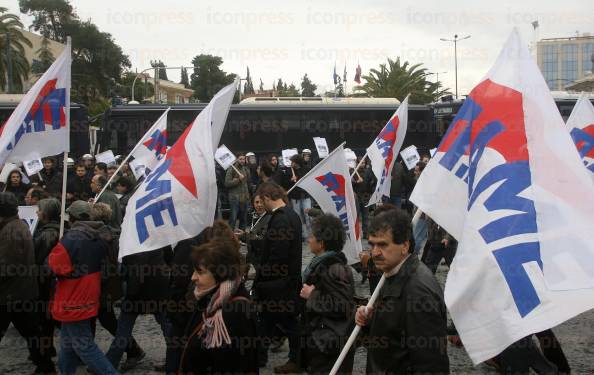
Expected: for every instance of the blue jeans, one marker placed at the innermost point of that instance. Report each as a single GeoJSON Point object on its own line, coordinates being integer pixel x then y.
{"type": "Point", "coordinates": [77, 343]}
{"type": "Point", "coordinates": [420, 236]}
{"type": "Point", "coordinates": [123, 335]}
{"type": "Point", "coordinates": [238, 210]}
{"type": "Point", "coordinates": [299, 206]}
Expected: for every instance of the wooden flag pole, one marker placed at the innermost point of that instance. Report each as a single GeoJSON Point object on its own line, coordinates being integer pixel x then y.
{"type": "Point", "coordinates": [237, 170]}
{"type": "Point", "coordinates": [357, 329]}
{"type": "Point", "coordinates": [358, 165]}
{"type": "Point", "coordinates": [64, 182]}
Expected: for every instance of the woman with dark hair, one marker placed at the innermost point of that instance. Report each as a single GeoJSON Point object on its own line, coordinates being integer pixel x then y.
{"type": "Point", "coordinates": [328, 291]}
{"type": "Point", "coordinates": [16, 186]}
{"type": "Point", "coordinates": [222, 332]}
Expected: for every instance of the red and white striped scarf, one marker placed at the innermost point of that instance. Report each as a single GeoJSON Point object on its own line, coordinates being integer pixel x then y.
{"type": "Point", "coordinates": [214, 331]}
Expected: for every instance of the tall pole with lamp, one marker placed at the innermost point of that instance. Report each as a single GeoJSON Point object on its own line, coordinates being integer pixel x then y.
{"type": "Point", "coordinates": [455, 40]}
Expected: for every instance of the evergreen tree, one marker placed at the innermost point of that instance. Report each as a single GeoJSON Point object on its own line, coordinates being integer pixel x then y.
{"type": "Point", "coordinates": [307, 87]}
{"type": "Point", "coordinates": [248, 88]}
{"type": "Point", "coordinates": [45, 58]}
{"type": "Point", "coordinates": [184, 78]}
{"type": "Point", "coordinates": [161, 73]}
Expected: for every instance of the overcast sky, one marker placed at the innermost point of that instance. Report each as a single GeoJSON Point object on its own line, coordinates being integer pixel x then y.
{"type": "Point", "coordinates": [287, 39]}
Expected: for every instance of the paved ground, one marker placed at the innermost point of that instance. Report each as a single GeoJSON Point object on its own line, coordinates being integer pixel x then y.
{"type": "Point", "coordinates": [576, 336]}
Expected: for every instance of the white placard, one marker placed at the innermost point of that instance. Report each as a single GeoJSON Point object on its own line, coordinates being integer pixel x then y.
{"type": "Point", "coordinates": [28, 214]}
{"type": "Point", "coordinates": [287, 154]}
{"type": "Point", "coordinates": [8, 167]}
{"type": "Point", "coordinates": [321, 146]}
{"type": "Point", "coordinates": [106, 157]}
{"type": "Point", "coordinates": [33, 166]}
{"type": "Point", "coordinates": [224, 157]}
{"type": "Point", "coordinates": [411, 156]}
{"type": "Point", "coordinates": [138, 168]}
{"type": "Point", "coordinates": [432, 151]}
{"type": "Point", "coordinates": [351, 158]}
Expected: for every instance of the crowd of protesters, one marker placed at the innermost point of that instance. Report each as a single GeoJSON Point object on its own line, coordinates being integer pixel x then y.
{"type": "Point", "coordinates": [197, 290]}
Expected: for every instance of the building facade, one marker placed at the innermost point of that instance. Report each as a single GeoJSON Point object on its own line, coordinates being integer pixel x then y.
{"type": "Point", "coordinates": [563, 61]}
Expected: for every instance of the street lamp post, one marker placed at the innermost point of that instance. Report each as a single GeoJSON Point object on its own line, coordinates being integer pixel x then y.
{"type": "Point", "coordinates": [455, 40]}
{"type": "Point", "coordinates": [156, 68]}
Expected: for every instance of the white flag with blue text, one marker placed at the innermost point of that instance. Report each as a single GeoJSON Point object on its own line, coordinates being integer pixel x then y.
{"type": "Point", "coordinates": [508, 183]}
{"type": "Point", "coordinates": [40, 124]}
{"type": "Point", "coordinates": [177, 200]}
{"type": "Point", "coordinates": [329, 184]}
{"type": "Point", "coordinates": [384, 150]}
{"type": "Point", "coordinates": [581, 127]}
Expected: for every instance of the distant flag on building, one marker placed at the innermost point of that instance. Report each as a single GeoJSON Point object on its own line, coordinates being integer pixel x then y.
{"type": "Point", "coordinates": [384, 150]}
{"type": "Point", "coordinates": [508, 184]}
{"type": "Point", "coordinates": [177, 200]}
{"type": "Point", "coordinates": [581, 127]}
{"type": "Point", "coordinates": [40, 125]}
{"type": "Point", "coordinates": [151, 148]}
{"type": "Point", "coordinates": [329, 184]}
{"type": "Point", "coordinates": [358, 74]}
{"type": "Point", "coordinates": [335, 76]}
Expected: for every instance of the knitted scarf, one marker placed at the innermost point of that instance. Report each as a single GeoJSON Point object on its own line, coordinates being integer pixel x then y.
{"type": "Point", "coordinates": [314, 263]}
{"type": "Point", "coordinates": [213, 330]}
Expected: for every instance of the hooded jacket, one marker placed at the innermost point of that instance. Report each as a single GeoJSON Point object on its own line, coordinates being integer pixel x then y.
{"type": "Point", "coordinates": [77, 261]}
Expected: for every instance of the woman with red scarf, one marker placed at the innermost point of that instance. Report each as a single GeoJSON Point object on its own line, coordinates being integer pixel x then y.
{"type": "Point", "coordinates": [221, 336]}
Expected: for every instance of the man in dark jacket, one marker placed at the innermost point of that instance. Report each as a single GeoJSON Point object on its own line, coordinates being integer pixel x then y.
{"type": "Point", "coordinates": [51, 177]}
{"type": "Point", "coordinates": [407, 327]}
{"type": "Point", "coordinates": [77, 261]}
{"type": "Point", "coordinates": [18, 286]}
{"type": "Point", "coordinates": [278, 277]}
{"type": "Point", "coordinates": [79, 185]}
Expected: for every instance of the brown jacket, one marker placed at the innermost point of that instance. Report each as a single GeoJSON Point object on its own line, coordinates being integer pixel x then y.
{"type": "Point", "coordinates": [18, 270]}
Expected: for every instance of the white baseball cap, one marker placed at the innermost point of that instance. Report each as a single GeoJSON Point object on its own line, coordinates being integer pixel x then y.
{"type": "Point", "coordinates": [250, 154]}
{"type": "Point", "coordinates": [306, 151]}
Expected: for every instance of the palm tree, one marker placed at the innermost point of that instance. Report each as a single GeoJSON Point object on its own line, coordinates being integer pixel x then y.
{"type": "Point", "coordinates": [13, 52]}
{"type": "Point", "coordinates": [396, 80]}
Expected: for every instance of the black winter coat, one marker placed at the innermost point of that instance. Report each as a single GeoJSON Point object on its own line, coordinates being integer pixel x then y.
{"type": "Point", "coordinates": [46, 236]}
{"type": "Point", "coordinates": [146, 282]}
{"type": "Point", "coordinates": [407, 332]}
{"type": "Point", "coordinates": [278, 277]}
{"type": "Point", "coordinates": [329, 312]}
{"type": "Point", "coordinates": [240, 357]}
{"type": "Point", "coordinates": [17, 262]}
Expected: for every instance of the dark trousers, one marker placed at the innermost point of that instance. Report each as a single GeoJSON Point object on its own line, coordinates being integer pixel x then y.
{"type": "Point", "coordinates": [175, 343]}
{"type": "Point", "coordinates": [435, 253]}
{"type": "Point", "coordinates": [285, 323]}
{"type": "Point", "coordinates": [522, 356]}
{"type": "Point", "coordinates": [28, 325]}
{"type": "Point", "coordinates": [109, 321]}
{"type": "Point", "coordinates": [319, 363]}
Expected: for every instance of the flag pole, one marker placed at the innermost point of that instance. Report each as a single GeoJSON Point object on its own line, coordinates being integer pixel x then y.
{"type": "Point", "coordinates": [308, 173]}
{"type": "Point", "coordinates": [63, 203]}
{"type": "Point", "coordinates": [357, 329]}
{"type": "Point", "coordinates": [128, 157]}
{"type": "Point", "coordinates": [358, 165]}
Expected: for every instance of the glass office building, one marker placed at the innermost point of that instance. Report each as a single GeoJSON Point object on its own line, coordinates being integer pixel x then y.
{"type": "Point", "coordinates": [565, 60]}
